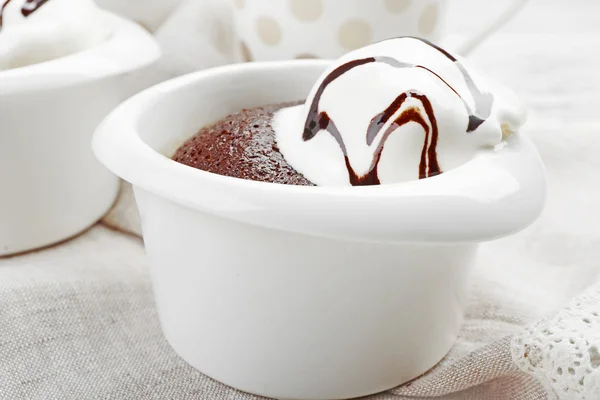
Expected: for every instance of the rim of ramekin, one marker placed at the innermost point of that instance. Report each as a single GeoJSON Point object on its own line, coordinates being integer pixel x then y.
{"type": "Point", "coordinates": [129, 47]}
{"type": "Point", "coordinates": [497, 193]}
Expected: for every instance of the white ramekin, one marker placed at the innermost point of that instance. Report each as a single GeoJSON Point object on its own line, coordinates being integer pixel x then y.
{"type": "Point", "coordinates": [51, 185]}
{"type": "Point", "coordinates": [305, 292]}
{"type": "Point", "coordinates": [150, 13]}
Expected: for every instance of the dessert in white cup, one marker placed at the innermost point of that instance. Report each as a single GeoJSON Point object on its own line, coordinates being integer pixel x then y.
{"type": "Point", "coordinates": [303, 292]}
{"type": "Point", "coordinates": [34, 31]}
{"type": "Point", "coordinates": [392, 106]}
{"type": "Point", "coordinates": [52, 185]}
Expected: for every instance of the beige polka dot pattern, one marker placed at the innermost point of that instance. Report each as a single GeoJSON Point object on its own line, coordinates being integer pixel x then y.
{"type": "Point", "coordinates": [354, 34]}
{"type": "Point", "coordinates": [240, 3]}
{"type": "Point", "coordinates": [221, 37]}
{"type": "Point", "coordinates": [305, 56]}
{"type": "Point", "coordinates": [246, 55]}
{"type": "Point", "coordinates": [397, 6]}
{"type": "Point", "coordinates": [268, 30]}
{"type": "Point", "coordinates": [428, 19]}
{"type": "Point", "coordinates": [307, 10]}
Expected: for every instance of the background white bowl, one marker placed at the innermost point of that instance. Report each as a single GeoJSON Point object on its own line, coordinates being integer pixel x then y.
{"type": "Point", "coordinates": [305, 292]}
{"type": "Point", "coordinates": [51, 185]}
{"type": "Point", "coordinates": [149, 13]}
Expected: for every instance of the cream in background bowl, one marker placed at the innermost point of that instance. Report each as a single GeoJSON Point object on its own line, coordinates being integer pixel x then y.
{"type": "Point", "coordinates": [51, 185]}
{"type": "Point", "coordinates": [305, 292]}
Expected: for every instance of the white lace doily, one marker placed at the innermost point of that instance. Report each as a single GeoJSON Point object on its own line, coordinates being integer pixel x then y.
{"type": "Point", "coordinates": [564, 352]}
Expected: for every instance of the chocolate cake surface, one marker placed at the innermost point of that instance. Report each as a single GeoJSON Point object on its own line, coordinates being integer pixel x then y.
{"type": "Point", "coordinates": [242, 145]}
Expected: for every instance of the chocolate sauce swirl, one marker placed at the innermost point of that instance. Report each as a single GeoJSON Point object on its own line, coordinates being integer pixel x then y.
{"type": "Point", "coordinates": [29, 7]}
{"type": "Point", "coordinates": [6, 3]}
{"type": "Point", "coordinates": [428, 166]}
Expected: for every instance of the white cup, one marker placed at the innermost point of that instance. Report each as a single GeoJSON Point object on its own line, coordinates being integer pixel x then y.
{"type": "Point", "coordinates": [298, 292]}
{"type": "Point", "coordinates": [51, 186]}
{"type": "Point", "coordinates": [149, 13]}
{"type": "Point", "coordinates": [287, 29]}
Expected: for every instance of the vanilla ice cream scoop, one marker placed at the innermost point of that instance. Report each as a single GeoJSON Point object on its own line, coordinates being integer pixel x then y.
{"type": "Point", "coordinates": [34, 31]}
{"type": "Point", "coordinates": [397, 110]}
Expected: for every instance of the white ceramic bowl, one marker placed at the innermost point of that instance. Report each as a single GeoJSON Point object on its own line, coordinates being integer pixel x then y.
{"type": "Point", "coordinates": [149, 13]}
{"type": "Point", "coordinates": [305, 292]}
{"type": "Point", "coordinates": [51, 185]}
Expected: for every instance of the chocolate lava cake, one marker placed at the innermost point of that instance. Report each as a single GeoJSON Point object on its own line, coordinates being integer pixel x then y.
{"type": "Point", "coordinates": [243, 146]}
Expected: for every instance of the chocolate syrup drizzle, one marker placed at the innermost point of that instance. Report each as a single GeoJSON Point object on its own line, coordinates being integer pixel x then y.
{"type": "Point", "coordinates": [428, 166]}
{"type": "Point", "coordinates": [29, 7]}
{"type": "Point", "coordinates": [2, 11]}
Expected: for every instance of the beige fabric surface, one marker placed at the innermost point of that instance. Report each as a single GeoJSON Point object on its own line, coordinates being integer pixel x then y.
{"type": "Point", "coordinates": [124, 215]}
{"type": "Point", "coordinates": [77, 321]}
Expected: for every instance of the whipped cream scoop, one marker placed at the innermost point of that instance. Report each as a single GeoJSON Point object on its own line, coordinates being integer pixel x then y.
{"type": "Point", "coordinates": [394, 111]}
{"type": "Point", "coordinates": [34, 31]}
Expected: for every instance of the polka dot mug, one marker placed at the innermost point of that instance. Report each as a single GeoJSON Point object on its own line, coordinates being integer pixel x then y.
{"type": "Point", "coordinates": [288, 29]}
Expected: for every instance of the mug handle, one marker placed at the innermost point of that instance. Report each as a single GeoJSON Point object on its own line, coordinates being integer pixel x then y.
{"type": "Point", "coordinates": [470, 44]}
